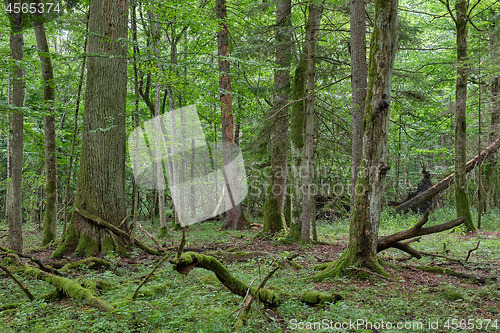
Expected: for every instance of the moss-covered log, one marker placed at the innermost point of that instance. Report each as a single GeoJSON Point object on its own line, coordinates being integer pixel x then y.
{"type": "Point", "coordinates": [449, 271]}
{"type": "Point", "coordinates": [69, 287]}
{"type": "Point", "coordinates": [189, 260]}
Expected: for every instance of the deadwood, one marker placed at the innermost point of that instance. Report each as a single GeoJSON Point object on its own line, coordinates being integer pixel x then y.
{"type": "Point", "coordinates": [445, 183]}
{"type": "Point", "coordinates": [415, 231]}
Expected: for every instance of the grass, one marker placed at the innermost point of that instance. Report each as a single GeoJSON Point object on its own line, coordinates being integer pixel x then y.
{"type": "Point", "coordinates": [197, 302]}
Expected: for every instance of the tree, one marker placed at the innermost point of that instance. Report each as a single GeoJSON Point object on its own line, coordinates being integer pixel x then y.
{"type": "Point", "coordinates": [302, 131]}
{"type": "Point", "coordinates": [50, 217]}
{"type": "Point", "coordinates": [358, 84]}
{"type": "Point", "coordinates": [461, 198]}
{"type": "Point", "coordinates": [274, 218]}
{"type": "Point", "coordinates": [365, 219]}
{"type": "Point", "coordinates": [15, 139]}
{"type": "Point", "coordinates": [234, 216]}
{"type": "Point", "coordinates": [100, 194]}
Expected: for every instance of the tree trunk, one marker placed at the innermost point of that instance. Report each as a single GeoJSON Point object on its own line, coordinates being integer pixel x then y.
{"type": "Point", "coordinates": [50, 218]}
{"type": "Point", "coordinates": [461, 197]}
{"type": "Point", "coordinates": [274, 218]}
{"type": "Point", "coordinates": [14, 200]}
{"type": "Point", "coordinates": [234, 216]}
{"type": "Point", "coordinates": [314, 20]}
{"type": "Point", "coordinates": [100, 189]}
{"type": "Point", "coordinates": [358, 83]}
{"type": "Point", "coordinates": [365, 219]}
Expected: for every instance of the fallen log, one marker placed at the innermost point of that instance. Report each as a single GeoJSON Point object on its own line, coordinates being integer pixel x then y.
{"type": "Point", "coordinates": [446, 182]}
{"type": "Point", "coordinates": [69, 287]}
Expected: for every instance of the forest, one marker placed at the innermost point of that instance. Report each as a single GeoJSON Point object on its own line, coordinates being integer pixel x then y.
{"type": "Point", "coordinates": [249, 166]}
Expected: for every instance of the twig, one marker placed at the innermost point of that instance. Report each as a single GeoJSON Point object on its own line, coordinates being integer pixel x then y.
{"type": "Point", "coordinates": [147, 233]}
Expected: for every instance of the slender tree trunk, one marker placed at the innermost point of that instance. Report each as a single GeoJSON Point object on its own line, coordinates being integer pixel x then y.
{"type": "Point", "coordinates": [365, 219]}
{"type": "Point", "coordinates": [50, 218]}
{"type": "Point", "coordinates": [274, 218]}
{"type": "Point", "coordinates": [314, 20]}
{"type": "Point", "coordinates": [14, 199]}
{"type": "Point", "coordinates": [234, 216]}
{"type": "Point", "coordinates": [358, 83]}
{"type": "Point", "coordinates": [135, 188]}
{"type": "Point", "coordinates": [100, 192]}
{"type": "Point", "coordinates": [461, 197]}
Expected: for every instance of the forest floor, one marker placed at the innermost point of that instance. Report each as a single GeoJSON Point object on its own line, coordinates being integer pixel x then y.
{"type": "Point", "coordinates": [411, 300]}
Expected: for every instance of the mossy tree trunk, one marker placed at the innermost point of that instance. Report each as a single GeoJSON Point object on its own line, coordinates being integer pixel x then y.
{"type": "Point", "coordinates": [274, 218]}
{"type": "Point", "coordinates": [14, 197]}
{"type": "Point", "coordinates": [50, 217]}
{"type": "Point", "coordinates": [461, 197]}
{"type": "Point", "coordinates": [302, 132]}
{"type": "Point", "coordinates": [365, 218]}
{"type": "Point", "coordinates": [313, 23]}
{"type": "Point", "coordinates": [358, 83]}
{"type": "Point", "coordinates": [101, 180]}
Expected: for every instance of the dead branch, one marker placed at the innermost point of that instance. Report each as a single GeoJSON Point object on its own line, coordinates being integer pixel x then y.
{"type": "Point", "coordinates": [417, 230]}
{"type": "Point", "coordinates": [40, 264]}
{"type": "Point", "coordinates": [442, 270]}
{"type": "Point", "coordinates": [19, 283]}
{"type": "Point", "coordinates": [472, 250]}
{"type": "Point", "coordinates": [446, 182]}
{"type": "Point", "coordinates": [241, 321]}
{"type": "Point", "coordinates": [147, 233]}
{"type": "Point", "coordinates": [150, 274]}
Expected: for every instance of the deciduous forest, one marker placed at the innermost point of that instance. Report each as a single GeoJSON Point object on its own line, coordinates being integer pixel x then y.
{"type": "Point", "coordinates": [249, 166]}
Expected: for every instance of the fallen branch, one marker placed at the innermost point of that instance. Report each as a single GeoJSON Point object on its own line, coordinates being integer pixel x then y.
{"type": "Point", "coordinates": [238, 325]}
{"type": "Point", "coordinates": [40, 264]}
{"type": "Point", "coordinates": [449, 271]}
{"type": "Point", "coordinates": [417, 230]}
{"type": "Point", "coordinates": [446, 182]}
{"type": "Point", "coordinates": [91, 262]}
{"type": "Point", "coordinates": [19, 283]}
{"type": "Point", "coordinates": [147, 233]}
{"type": "Point", "coordinates": [150, 274]}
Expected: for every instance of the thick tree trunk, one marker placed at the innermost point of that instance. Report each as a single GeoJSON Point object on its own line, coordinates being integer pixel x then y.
{"type": "Point", "coordinates": [358, 83]}
{"type": "Point", "coordinates": [234, 216]}
{"type": "Point", "coordinates": [314, 20]}
{"type": "Point", "coordinates": [274, 218]}
{"type": "Point", "coordinates": [50, 219]}
{"type": "Point", "coordinates": [365, 219]}
{"type": "Point", "coordinates": [101, 180]}
{"type": "Point", "coordinates": [14, 200]}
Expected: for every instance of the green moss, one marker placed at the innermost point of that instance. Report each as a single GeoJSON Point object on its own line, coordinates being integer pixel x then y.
{"type": "Point", "coordinates": [315, 297]}
{"type": "Point", "coordinates": [86, 246]}
{"type": "Point", "coordinates": [210, 278]}
{"type": "Point", "coordinates": [462, 208]}
{"type": "Point", "coordinates": [68, 242]}
{"type": "Point", "coordinates": [453, 295]}
{"type": "Point", "coordinates": [108, 245]}
{"type": "Point", "coordinates": [272, 220]}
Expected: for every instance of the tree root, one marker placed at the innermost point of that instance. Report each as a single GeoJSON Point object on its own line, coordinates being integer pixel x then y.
{"type": "Point", "coordinates": [69, 287]}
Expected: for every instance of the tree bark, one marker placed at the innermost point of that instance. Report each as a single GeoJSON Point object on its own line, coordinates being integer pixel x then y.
{"type": "Point", "coordinates": [274, 216]}
{"type": "Point", "coordinates": [50, 218]}
{"type": "Point", "coordinates": [101, 178]}
{"type": "Point", "coordinates": [234, 216]}
{"type": "Point", "coordinates": [461, 197]}
{"type": "Point", "coordinates": [358, 83]}
{"type": "Point", "coordinates": [314, 20]}
{"type": "Point", "coordinates": [14, 200]}
{"type": "Point", "coordinates": [365, 219]}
